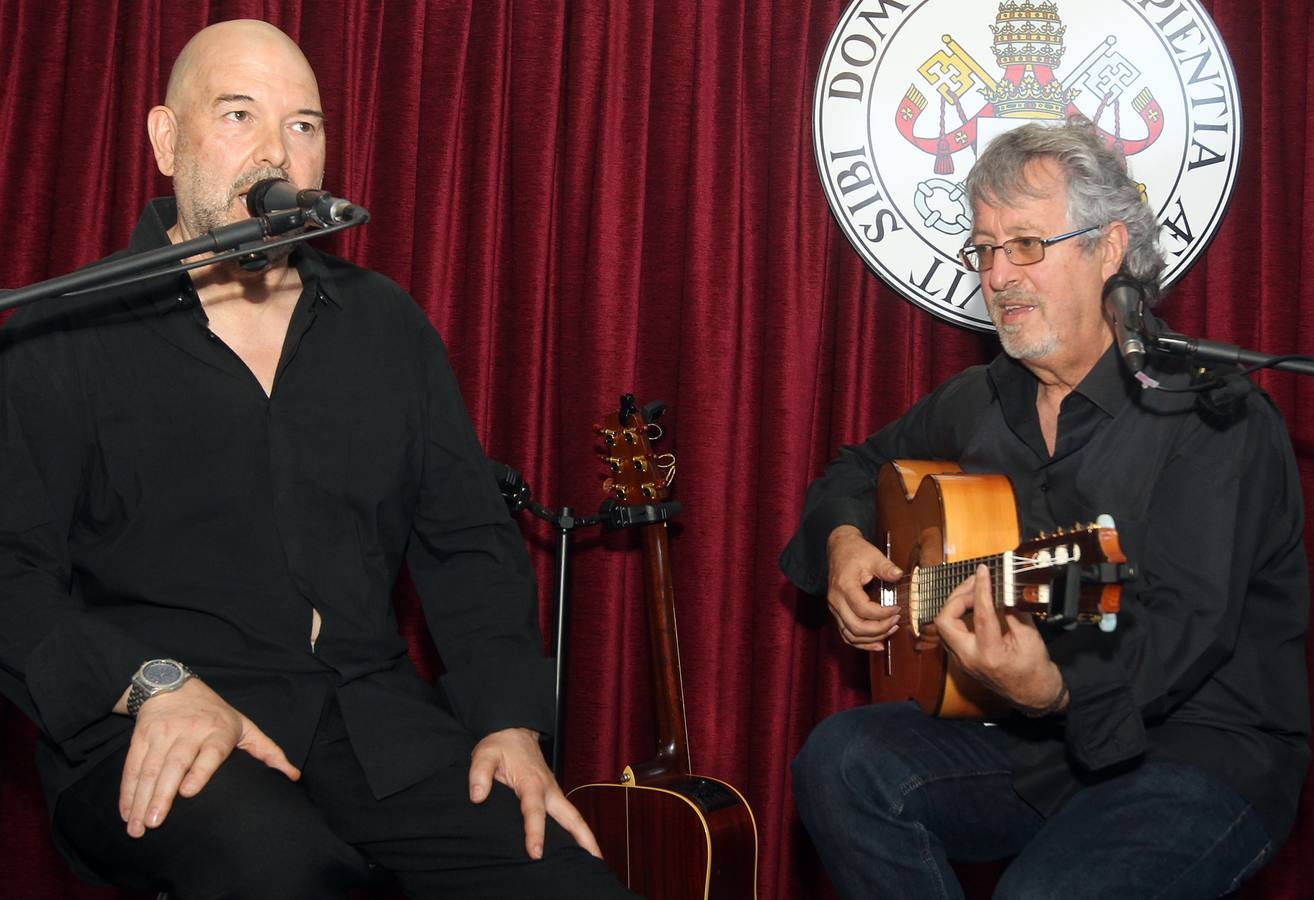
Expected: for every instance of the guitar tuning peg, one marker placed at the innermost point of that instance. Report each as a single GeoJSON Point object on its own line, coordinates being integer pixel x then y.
{"type": "Point", "coordinates": [1043, 535]}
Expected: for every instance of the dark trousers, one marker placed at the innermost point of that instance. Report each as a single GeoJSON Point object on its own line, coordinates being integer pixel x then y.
{"type": "Point", "coordinates": [252, 833]}
{"type": "Point", "coordinates": [890, 795]}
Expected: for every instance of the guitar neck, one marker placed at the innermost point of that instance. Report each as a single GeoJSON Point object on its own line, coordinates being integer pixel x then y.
{"type": "Point", "coordinates": [928, 588]}
{"type": "Point", "coordinates": [640, 481]}
{"type": "Point", "coordinates": [668, 685]}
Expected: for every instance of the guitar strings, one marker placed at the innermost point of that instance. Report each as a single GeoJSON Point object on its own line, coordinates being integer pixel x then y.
{"type": "Point", "coordinates": [936, 583]}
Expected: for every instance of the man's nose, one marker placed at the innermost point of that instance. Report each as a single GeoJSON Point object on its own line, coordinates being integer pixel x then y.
{"type": "Point", "coordinates": [272, 149]}
{"type": "Point", "coordinates": [1003, 272]}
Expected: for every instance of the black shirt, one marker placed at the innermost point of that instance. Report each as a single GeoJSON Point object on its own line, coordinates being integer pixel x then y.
{"type": "Point", "coordinates": [1207, 664]}
{"type": "Point", "coordinates": [159, 504]}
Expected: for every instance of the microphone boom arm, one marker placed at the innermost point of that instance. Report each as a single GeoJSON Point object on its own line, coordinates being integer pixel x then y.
{"type": "Point", "coordinates": [227, 242]}
{"type": "Point", "coordinates": [1170, 343]}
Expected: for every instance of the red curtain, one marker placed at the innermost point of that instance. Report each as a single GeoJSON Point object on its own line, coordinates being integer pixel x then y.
{"type": "Point", "coordinates": [594, 197]}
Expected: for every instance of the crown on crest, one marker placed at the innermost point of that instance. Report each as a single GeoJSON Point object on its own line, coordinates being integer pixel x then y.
{"type": "Point", "coordinates": [1029, 35]}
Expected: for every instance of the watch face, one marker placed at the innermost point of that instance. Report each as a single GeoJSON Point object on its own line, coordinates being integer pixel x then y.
{"type": "Point", "coordinates": [161, 672]}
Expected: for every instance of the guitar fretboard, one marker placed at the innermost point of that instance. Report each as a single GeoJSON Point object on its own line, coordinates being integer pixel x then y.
{"type": "Point", "coordinates": [1022, 578]}
{"type": "Point", "coordinates": [926, 590]}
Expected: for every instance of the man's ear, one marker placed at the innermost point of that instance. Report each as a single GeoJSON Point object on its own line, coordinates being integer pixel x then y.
{"type": "Point", "coordinates": [162, 127]}
{"type": "Point", "coordinates": [1113, 248]}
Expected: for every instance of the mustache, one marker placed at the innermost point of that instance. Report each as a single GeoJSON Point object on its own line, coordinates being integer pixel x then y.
{"type": "Point", "coordinates": [1014, 295]}
{"type": "Point", "coordinates": [248, 179]}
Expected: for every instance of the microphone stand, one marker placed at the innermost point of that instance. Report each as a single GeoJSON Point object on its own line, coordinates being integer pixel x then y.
{"type": "Point", "coordinates": [242, 238]}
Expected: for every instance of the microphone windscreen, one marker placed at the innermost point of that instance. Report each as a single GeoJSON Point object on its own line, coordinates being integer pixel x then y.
{"type": "Point", "coordinates": [271, 195]}
{"type": "Point", "coordinates": [1124, 299]}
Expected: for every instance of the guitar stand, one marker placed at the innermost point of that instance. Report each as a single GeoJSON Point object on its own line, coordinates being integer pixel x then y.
{"type": "Point", "coordinates": [612, 516]}
{"type": "Point", "coordinates": [516, 493]}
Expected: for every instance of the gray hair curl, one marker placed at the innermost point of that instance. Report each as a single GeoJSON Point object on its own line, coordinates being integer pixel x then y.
{"type": "Point", "coordinates": [1099, 188]}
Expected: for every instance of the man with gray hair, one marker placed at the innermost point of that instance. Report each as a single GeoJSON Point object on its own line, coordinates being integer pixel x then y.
{"type": "Point", "coordinates": [1162, 759]}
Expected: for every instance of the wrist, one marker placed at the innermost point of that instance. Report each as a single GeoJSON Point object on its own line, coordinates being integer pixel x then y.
{"type": "Point", "coordinates": [841, 533]}
{"type": "Point", "coordinates": [1056, 705]}
{"type": "Point", "coordinates": [155, 677]}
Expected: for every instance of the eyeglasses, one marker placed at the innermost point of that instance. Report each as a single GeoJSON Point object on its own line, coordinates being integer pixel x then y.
{"type": "Point", "coordinates": [1021, 251]}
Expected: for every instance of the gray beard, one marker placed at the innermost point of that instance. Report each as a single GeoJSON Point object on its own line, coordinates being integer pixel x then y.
{"type": "Point", "coordinates": [1015, 347]}
{"type": "Point", "coordinates": [209, 216]}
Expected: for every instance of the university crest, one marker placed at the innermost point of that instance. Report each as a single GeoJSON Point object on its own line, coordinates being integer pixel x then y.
{"type": "Point", "coordinates": [909, 93]}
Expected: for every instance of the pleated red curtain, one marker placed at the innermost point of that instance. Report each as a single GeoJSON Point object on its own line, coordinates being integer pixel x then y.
{"type": "Point", "coordinates": [589, 198]}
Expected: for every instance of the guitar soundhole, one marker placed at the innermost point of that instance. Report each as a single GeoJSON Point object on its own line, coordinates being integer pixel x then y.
{"type": "Point", "coordinates": [709, 795]}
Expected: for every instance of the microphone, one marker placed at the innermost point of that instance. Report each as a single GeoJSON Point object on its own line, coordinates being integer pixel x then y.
{"type": "Point", "coordinates": [276, 195]}
{"type": "Point", "coordinates": [1124, 305]}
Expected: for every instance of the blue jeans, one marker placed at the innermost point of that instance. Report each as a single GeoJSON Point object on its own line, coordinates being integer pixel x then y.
{"type": "Point", "coordinates": [890, 795]}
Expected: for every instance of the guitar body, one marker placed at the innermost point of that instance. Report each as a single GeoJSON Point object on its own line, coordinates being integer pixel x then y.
{"type": "Point", "coordinates": [690, 838]}
{"type": "Point", "coordinates": [928, 513]}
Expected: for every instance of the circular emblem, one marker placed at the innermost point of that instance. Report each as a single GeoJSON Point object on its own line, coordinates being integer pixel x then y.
{"type": "Point", "coordinates": [910, 92]}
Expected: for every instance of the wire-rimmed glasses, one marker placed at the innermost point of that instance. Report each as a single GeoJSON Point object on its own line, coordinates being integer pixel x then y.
{"type": "Point", "coordinates": [1021, 251]}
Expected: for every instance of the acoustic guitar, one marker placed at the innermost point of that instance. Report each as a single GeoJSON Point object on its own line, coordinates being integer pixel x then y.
{"type": "Point", "coordinates": [938, 524]}
{"type": "Point", "coordinates": [667, 834]}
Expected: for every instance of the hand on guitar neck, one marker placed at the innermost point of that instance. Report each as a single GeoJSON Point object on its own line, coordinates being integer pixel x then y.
{"type": "Point", "coordinates": [1004, 652]}
{"type": "Point", "coordinates": [853, 562]}
{"type": "Point", "coordinates": [939, 523]}
{"type": "Point", "coordinates": [1011, 661]}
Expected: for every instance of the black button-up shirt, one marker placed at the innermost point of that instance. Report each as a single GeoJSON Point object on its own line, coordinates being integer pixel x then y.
{"type": "Point", "coordinates": [1207, 665]}
{"type": "Point", "coordinates": [160, 504]}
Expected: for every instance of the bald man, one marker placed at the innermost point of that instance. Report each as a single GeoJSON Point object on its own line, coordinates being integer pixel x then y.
{"type": "Point", "coordinates": [216, 479]}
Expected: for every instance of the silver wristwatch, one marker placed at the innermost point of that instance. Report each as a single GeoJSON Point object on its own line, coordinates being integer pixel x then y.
{"type": "Point", "coordinates": [156, 676]}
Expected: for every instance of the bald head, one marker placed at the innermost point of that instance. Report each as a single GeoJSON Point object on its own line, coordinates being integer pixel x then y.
{"type": "Point", "coordinates": [242, 105]}
{"type": "Point", "coordinates": [218, 44]}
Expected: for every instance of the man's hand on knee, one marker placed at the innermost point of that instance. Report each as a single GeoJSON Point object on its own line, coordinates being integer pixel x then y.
{"type": "Point", "coordinates": [180, 739]}
{"type": "Point", "coordinates": [513, 757]}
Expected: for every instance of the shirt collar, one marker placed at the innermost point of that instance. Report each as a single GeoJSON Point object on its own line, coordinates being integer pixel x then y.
{"type": "Point", "coordinates": [1105, 385]}
{"type": "Point", "coordinates": [161, 214]}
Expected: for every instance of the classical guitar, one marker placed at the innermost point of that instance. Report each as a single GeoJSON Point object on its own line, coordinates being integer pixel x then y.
{"type": "Point", "coordinates": [938, 524]}
{"type": "Point", "coordinates": [667, 834]}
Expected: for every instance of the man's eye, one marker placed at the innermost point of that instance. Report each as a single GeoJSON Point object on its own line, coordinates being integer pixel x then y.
{"type": "Point", "coordinates": [303, 127]}
{"type": "Point", "coordinates": [238, 115]}
{"type": "Point", "coordinates": [1026, 244]}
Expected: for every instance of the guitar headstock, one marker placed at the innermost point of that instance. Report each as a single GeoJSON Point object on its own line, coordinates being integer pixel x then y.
{"type": "Point", "coordinates": [638, 476]}
{"type": "Point", "coordinates": [1072, 576]}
